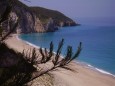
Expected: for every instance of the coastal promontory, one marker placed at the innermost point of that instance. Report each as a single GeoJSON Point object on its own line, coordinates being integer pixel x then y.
{"type": "Point", "coordinates": [34, 19]}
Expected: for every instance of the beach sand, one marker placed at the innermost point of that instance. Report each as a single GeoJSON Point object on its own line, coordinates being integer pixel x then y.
{"type": "Point", "coordinates": [80, 76]}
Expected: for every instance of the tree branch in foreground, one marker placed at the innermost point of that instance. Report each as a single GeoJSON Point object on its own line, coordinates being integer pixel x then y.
{"type": "Point", "coordinates": [55, 60]}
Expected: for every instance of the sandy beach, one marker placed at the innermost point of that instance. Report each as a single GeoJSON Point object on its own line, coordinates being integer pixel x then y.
{"type": "Point", "coordinates": [80, 76]}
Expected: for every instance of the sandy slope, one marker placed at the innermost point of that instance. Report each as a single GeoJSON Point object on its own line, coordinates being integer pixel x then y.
{"type": "Point", "coordinates": [81, 76]}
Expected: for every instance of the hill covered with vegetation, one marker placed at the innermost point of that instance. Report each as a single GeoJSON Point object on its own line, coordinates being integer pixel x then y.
{"type": "Point", "coordinates": [44, 14]}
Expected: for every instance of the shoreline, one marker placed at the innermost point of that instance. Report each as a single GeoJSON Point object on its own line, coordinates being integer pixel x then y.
{"type": "Point", "coordinates": [95, 68]}
{"type": "Point", "coordinates": [85, 68]}
{"type": "Point", "coordinates": [87, 65]}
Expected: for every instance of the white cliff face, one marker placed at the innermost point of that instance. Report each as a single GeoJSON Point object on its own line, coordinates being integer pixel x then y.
{"type": "Point", "coordinates": [28, 22]}
{"type": "Point", "coordinates": [38, 27]}
{"type": "Point", "coordinates": [13, 17]}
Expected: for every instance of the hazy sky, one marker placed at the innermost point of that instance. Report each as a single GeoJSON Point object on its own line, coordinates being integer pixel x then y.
{"type": "Point", "coordinates": [78, 8]}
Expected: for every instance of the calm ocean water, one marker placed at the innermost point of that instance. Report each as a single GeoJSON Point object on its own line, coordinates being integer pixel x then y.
{"type": "Point", "coordinates": [98, 40]}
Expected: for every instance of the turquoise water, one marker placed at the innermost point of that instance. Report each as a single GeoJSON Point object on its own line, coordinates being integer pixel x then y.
{"type": "Point", "coordinates": [98, 47]}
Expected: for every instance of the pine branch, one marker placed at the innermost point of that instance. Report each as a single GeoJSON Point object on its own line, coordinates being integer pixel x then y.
{"type": "Point", "coordinates": [77, 53]}
{"type": "Point", "coordinates": [58, 52]}
{"type": "Point", "coordinates": [43, 56]}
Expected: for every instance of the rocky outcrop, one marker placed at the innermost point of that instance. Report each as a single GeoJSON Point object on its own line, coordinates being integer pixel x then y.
{"type": "Point", "coordinates": [33, 19]}
{"type": "Point", "coordinates": [50, 25]}
{"type": "Point", "coordinates": [28, 21]}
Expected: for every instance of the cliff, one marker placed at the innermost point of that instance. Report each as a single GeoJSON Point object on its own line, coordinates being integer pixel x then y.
{"type": "Point", "coordinates": [34, 19]}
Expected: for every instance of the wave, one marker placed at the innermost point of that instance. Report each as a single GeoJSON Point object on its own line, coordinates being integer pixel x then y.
{"type": "Point", "coordinates": [87, 65]}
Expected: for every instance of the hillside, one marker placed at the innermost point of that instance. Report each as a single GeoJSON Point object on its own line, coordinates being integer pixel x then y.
{"type": "Point", "coordinates": [44, 14]}
{"type": "Point", "coordinates": [35, 19]}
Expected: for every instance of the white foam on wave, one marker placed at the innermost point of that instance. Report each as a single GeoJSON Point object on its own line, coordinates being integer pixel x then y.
{"type": "Point", "coordinates": [86, 65]}
{"type": "Point", "coordinates": [104, 72]}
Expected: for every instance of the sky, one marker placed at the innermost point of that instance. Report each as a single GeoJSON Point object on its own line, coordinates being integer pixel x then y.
{"type": "Point", "coordinates": [78, 8]}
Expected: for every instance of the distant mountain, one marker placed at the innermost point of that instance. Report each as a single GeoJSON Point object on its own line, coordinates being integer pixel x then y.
{"type": "Point", "coordinates": [34, 19]}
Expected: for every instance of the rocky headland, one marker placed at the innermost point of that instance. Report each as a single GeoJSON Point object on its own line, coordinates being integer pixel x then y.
{"type": "Point", "coordinates": [34, 19]}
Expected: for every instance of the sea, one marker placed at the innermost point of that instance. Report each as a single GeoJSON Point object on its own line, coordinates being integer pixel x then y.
{"type": "Point", "coordinates": [98, 42]}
